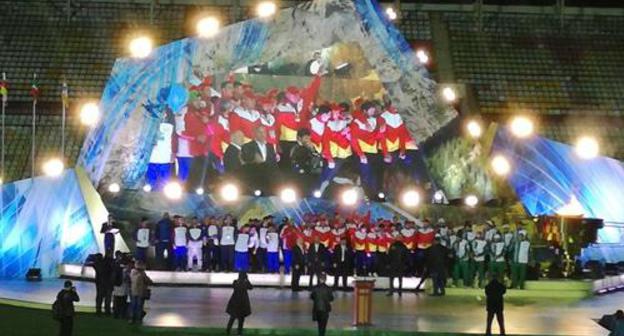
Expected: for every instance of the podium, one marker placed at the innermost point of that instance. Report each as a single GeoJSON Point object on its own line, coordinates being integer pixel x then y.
{"type": "Point", "coordinates": [363, 302]}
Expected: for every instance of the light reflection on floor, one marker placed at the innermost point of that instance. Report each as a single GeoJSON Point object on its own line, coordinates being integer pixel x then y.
{"type": "Point", "coordinates": [275, 308]}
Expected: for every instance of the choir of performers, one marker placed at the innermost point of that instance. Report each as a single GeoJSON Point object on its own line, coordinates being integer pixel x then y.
{"type": "Point", "coordinates": [342, 246]}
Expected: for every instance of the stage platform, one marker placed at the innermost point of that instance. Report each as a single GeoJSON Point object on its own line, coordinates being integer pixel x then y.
{"type": "Point", "coordinates": [553, 289]}
{"type": "Point", "coordinates": [203, 307]}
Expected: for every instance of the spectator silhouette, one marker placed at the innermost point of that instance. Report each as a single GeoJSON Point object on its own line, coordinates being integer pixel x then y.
{"type": "Point", "coordinates": [239, 306]}
{"type": "Point", "coordinates": [494, 292]}
{"type": "Point", "coordinates": [322, 296]}
{"type": "Point", "coordinates": [66, 298]}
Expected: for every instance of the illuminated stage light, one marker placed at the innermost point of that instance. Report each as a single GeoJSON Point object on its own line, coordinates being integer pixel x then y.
{"type": "Point", "coordinates": [474, 129]}
{"type": "Point", "coordinates": [471, 201]}
{"type": "Point", "coordinates": [53, 167]}
{"type": "Point", "coordinates": [391, 14]}
{"type": "Point", "coordinates": [257, 192]}
{"type": "Point", "coordinates": [381, 196]}
{"type": "Point", "coordinates": [89, 114]}
{"type": "Point", "coordinates": [199, 191]}
{"type": "Point", "coordinates": [141, 47]}
{"type": "Point", "coordinates": [587, 147]}
{"type": "Point", "coordinates": [173, 190]}
{"type": "Point", "coordinates": [288, 195]}
{"type": "Point", "coordinates": [266, 9]}
{"type": "Point", "coordinates": [114, 188]}
{"type": "Point", "coordinates": [449, 94]}
{"type": "Point", "coordinates": [438, 196]}
{"type": "Point", "coordinates": [208, 27]}
{"type": "Point", "coordinates": [422, 56]}
{"type": "Point", "coordinates": [521, 126]}
{"type": "Point", "coordinates": [349, 197]}
{"type": "Point", "coordinates": [147, 188]}
{"type": "Point", "coordinates": [410, 198]}
{"type": "Point", "coordinates": [501, 165]}
{"type": "Point", "coordinates": [317, 194]}
{"type": "Point", "coordinates": [229, 192]}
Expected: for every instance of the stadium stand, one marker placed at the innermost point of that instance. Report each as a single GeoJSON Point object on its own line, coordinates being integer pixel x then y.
{"type": "Point", "coordinates": [521, 60]}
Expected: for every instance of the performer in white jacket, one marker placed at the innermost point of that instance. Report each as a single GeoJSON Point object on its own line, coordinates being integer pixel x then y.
{"type": "Point", "coordinates": [196, 238]}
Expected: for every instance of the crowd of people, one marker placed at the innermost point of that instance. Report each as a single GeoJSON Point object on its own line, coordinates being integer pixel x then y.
{"type": "Point", "coordinates": [239, 132]}
{"type": "Point", "coordinates": [338, 245]}
{"type": "Point", "coordinates": [122, 286]}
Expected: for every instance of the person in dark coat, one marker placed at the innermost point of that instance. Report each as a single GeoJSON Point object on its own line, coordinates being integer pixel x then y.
{"type": "Point", "coordinates": [437, 255]}
{"type": "Point", "coordinates": [239, 307]}
{"type": "Point", "coordinates": [494, 292]}
{"type": "Point", "coordinates": [342, 263]}
{"type": "Point", "coordinates": [66, 297]}
{"type": "Point", "coordinates": [104, 282]}
{"type": "Point", "coordinates": [260, 161]}
{"type": "Point", "coordinates": [397, 258]}
{"type": "Point", "coordinates": [298, 265]}
{"type": "Point", "coordinates": [322, 296]}
{"type": "Point", "coordinates": [316, 259]}
{"type": "Point", "coordinates": [232, 158]}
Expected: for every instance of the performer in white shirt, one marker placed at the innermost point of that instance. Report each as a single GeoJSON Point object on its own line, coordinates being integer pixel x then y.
{"type": "Point", "coordinates": [195, 245]}
{"type": "Point", "coordinates": [241, 250]}
{"type": "Point", "coordinates": [183, 153]}
{"type": "Point", "coordinates": [479, 246]}
{"type": "Point", "coordinates": [179, 243]}
{"type": "Point", "coordinates": [261, 251]}
{"type": "Point", "coordinates": [162, 156]}
{"type": "Point", "coordinates": [212, 254]}
{"type": "Point", "coordinates": [143, 238]}
{"type": "Point", "coordinates": [272, 239]}
{"type": "Point", "coordinates": [520, 260]}
{"type": "Point", "coordinates": [226, 244]}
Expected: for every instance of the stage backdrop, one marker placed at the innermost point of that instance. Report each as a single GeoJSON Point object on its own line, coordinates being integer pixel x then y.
{"type": "Point", "coordinates": [119, 147]}
{"type": "Point", "coordinates": [45, 222]}
{"type": "Point", "coordinates": [547, 175]}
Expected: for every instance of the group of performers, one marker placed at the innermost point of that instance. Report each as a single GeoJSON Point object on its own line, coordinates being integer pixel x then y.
{"type": "Point", "coordinates": [342, 246]}
{"type": "Point", "coordinates": [222, 132]}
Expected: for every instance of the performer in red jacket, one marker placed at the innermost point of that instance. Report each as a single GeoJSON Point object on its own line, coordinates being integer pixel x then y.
{"type": "Point", "coordinates": [294, 112]}
{"type": "Point", "coordinates": [218, 130]}
{"type": "Point", "coordinates": [245, 118]}
{"type": "Point", "coordinates": [267, 105]}
{"type": "Point", "coordinates": [400, 148]}
{"type": "Point", "coordinates": [195, 122]}
{"type": "Point", "coordinates": [367, 131]}
{"type": "Point", "coordinates": [336, 145]}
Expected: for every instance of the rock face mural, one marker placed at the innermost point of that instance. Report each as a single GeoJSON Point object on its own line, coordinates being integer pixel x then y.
{"type": "Point", "coordinates": [119, 148]}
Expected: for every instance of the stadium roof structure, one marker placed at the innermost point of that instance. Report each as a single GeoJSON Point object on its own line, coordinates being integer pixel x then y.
{"type": "Point", "coordinates": [118, 149]}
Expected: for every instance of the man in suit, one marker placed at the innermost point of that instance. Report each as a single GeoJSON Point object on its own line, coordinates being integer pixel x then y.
{"type": "Point", "coordinates": [316, 259]}
{"type": "Point", "coordinates": [259, 159]}
{"type": "Point", "coordinates": [232, 160]}
{"type": "Point", "coordinates": [298, 264]}
{"type": "Point", "coordinates": [494, 292]}
{"type": "Point", "coordinates": [436, 264]}
{"type": "Point", "coordinates": [343, 263]}
{"type": "Point", "coordinates": [397, 258]}
{"type": "Point", "coordinates": [322, 297]}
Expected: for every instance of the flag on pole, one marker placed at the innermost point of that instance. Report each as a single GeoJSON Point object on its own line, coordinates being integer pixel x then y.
{"type": "Point", "coordinates": [4, 88]}
{"type": "Point", "coordinates": [34, 88]}
{"type": "Point", "coordinates": [65, 95]}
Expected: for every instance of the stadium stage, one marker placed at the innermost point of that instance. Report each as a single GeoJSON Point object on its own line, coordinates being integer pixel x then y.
{"type": "Point", "coordinates": [200, 307]}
